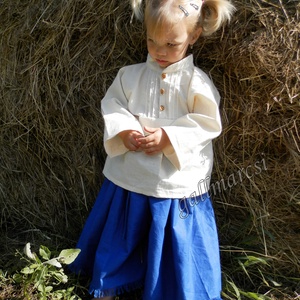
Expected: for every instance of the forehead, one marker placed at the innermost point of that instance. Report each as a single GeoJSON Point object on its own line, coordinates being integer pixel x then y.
{"type": "Point", "coordinates": [168, 31]}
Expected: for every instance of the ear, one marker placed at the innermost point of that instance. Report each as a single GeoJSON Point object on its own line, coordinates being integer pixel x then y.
{"type": "Point", "coordinates": [195, 35]}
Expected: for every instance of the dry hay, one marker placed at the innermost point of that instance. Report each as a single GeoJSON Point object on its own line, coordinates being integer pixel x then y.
{"type": "Point", "coordinates": [259, 76]}
{"type": "Point", "coordinates": [57, 59]}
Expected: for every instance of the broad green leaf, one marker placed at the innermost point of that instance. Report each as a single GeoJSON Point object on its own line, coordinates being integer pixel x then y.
{"type": "Point", "coordinates": [67, 256]}
{"type": "Point", "coordinates": [58, 295]}
{"type": "Point", "coordinates": [53, 262]}
{"type": "Point", "coordinates": [41, 287]}
{"type": "Point", "coordinates": [45, 253]}
{"type": "Point", "coordinates": [60, 276]}
{"type": "Point", "coordinates": [27, 270]}
{"type": "Point", "coordinates": [48, 289]}
{"type": "Point", "coordinates": [34, 266]}
{"type": "Point", "coordinates": [18, 278]}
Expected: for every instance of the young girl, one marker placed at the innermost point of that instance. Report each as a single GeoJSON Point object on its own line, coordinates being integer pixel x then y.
{"type": "Point", "coordinates": [153, 225]}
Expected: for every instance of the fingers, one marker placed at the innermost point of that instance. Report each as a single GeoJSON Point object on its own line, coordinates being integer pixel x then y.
{"type": "Point", "coordinates": [130, 139]}
{"type": "Point", "coordinates": [151, 144]}
{"type": "Point", "coordinates": [148, 141]}
{"type": "Point", "coordinates": [133, 138]}
{"type": "Point", "coordinates": [150, 129]}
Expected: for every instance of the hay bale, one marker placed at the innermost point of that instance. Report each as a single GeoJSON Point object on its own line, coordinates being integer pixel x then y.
{"type": "Point", "coordinates": [257, 70]}
{"type": "Point", "coordinates": [258, 74]}
{"type": "Point", "coordinates": [57, 59]}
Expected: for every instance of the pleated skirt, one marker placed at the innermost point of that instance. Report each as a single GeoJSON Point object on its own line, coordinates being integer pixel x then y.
{"type": "Point", "coordinates": [167, 247]}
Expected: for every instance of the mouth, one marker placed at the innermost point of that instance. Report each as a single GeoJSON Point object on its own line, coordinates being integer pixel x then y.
{"type": "Point", "coordinates": [161, 61]}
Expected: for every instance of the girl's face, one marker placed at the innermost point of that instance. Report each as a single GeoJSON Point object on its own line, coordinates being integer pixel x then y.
{"type": "Point", "coordinates": [171, 44]}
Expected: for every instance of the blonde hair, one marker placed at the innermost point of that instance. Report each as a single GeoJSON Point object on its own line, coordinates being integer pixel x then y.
{"type": "Point", "coordinates": [214, 14]}
{"type": "Point", "coordinates": [210, 15]}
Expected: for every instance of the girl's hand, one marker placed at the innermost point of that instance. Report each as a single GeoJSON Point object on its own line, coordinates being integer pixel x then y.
{"type": "Point", "coordinates": [155, 142]}
{"type": "Point", "coordinates": [129, 138]}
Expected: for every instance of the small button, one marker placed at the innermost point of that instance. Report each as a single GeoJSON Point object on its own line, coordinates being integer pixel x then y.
{"type": "Point", "coordinates": [161, 108]}
{"type": "Point", "coordinates": [163, 75]}
{"type": "Point", "coordinates": [162, 91]}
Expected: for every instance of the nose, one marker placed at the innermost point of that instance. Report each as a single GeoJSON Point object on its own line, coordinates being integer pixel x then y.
{"type": "Point", "coordinates": [161, 50]}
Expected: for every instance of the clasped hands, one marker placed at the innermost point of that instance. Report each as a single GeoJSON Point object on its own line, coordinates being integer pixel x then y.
{"type": "Point", "coordinates": [153, 143]}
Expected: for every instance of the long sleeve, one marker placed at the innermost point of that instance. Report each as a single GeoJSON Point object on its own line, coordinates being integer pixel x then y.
{"type": "Point", "coordinates": [194, 130]}
{"type": "Point", "coordinates": [117, 118]}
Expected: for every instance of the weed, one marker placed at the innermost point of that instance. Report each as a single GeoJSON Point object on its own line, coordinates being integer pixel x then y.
{"type": "Point", "coordinates": [44, 275]}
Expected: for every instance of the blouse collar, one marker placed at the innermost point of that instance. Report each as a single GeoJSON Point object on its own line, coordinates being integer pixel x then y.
{"type": "Point", "coordinates": [185, 63]}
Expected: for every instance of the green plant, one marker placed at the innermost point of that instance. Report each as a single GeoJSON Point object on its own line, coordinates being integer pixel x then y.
{"type": "Point", "coordinates": [44, 275]}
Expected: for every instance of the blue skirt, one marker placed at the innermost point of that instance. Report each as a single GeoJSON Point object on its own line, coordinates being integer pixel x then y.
{"type": "Point", "coordinates": [169, 247]}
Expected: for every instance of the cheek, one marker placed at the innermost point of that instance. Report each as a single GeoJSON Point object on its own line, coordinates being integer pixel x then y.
{"type": "Point", "coordinates": [150, 48]}
{"type": "Point", "coordinates": [179, 53]}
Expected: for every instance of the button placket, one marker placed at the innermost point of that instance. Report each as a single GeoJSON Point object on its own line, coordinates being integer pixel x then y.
{"type": "Point", "coordinates": [162, 94]}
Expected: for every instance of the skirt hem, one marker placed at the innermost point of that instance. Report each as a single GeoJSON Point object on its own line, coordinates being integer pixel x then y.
{"type": "Point", "coordinates": [97, 293]}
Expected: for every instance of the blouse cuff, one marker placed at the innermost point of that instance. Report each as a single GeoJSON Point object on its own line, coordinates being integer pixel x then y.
{"type": "Point", "coordinates": [171, 155]}
{"type": "Point", "coordinates": [115, 146]}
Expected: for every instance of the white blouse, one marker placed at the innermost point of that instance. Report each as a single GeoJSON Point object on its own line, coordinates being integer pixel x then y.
{"type": "Point", "coordinates": [183, 101]}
